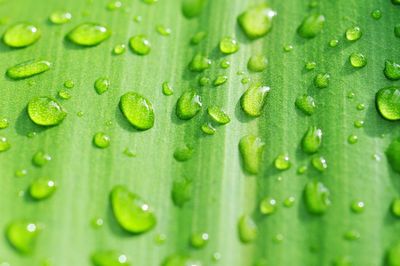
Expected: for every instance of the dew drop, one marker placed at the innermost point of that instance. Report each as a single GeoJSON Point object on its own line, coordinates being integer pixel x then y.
{"type": "Point", "coordinates": [353, 34]}
{"type": "Point", "coordinates": [393, 154]}
{"type": "Point", "coordinates": [89, 34]}
{"type": "Point", "coordinates": [204, 81]}
{"type": "Point", "coordinates": [247, 229]}
{"type": "Point", "coordinates": [140, 44]}
{"type": "Point", "coordinates": [183, 153]}
{"type": "Point", "coordinates": [321, 80]}
{"type": "Point", "coordinates": [101, 140]}
{"type": "Point", "coordinates": [199, 63]}
{"type": "Point", "coordinates": [208, 129]}
{"type": "Point", "coordinates": [109, 258]}
{"type": "Point", "coordinates": [316, 197]}
{"type": "Point", "coordinates": [220, 80]}
{"type": "Point", "coordinates": [333, 43]}
{"type": "Point", "coordinates": [198, 37]}
{"type": "Point", "coordinates": [45, 111]}
{"type": "Point", "coordinates": [388, 102]}
{"type": "Point", "coordinates": [319, 163]}
{"type": "Point", "coordinates": [228, 45]}
{"type": "Point", "coordinates": [257, 63]}
{"type": "Point", "coordinates": [306, 104]}
{"type": "Point", "coordinates": [288, 48]}
{"type": "Point", "coordinates": [41, 158]}
{"type": "Point", "coordinates": [167, 89]}
{"type": "Point", "coordinates": [357, 206]}
{"type": "Point", "coordinates": [114, 5]}
{"type": "Point", "coordinates": [42, 188]}
{"type": "Point", "coordinates": [64, 94]}
{"type": "Point", "coordinates": [4, 144]}
{"type": "Point", "coordinates": [21, 35]}
{"type": "Point", "coordinates": [268, 206]}
{"type": "Point", "coordinates": [188, 105]}
{"type": "Point", "coordinates": [352, 139]}
{"type": "Point", "coordinates": [395, 207]}
{"type": "Point", "coordinates": [4, 123]}
{"type": "Point", "coordinates": [310, 65]}
{"type": "Point", "coordinates": [251, 149]}
{"type": "Point", "coordinates": [358, 123]}
{"type": "Point", "coordinates": [358, 60]}
{"type": "Point", "coordinates": [28, 69]}
{"type": "Point", "coordinates": [119, 49]}
{"type": "Point", "coordinates": [256, 21]}
{"type": "Point", "coordinates": [199, 240]}
{"type": "Point", "coordinates": [311, 26]}
{"type": "Point", "coordinates": [137, 110]}
{"type": "Point", "coordinates": [376, 14]}
{"type": "Point", "coordinates": [225, 63]}
{"type": "Point", "coordinates": [22, 235]}
{"type": "Point", "coordinates": [289, 202]}
{"type": "Point", "coordinates": [254, 99]}
{"type": "Point", "coordinates": [163, 31]}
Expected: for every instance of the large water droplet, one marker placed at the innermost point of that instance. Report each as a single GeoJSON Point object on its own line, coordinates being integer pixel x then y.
{"type": "Point", "coordinates": [109, 258]}
{"type": "Point", "coordinates": [28, 69]}
{"type": "Point", "coordinates": [188, 105]}
{"type": "Point", "coordinates": [392, 70]}
{"type": "Point", "coordinates": [140, 44]}
{"type": "Point", "coordinates": [251, 149]}
{"type": "Point", "coordinates": [388, 102]}
{"type": "Point", "coordinates": [192, 8]}
{"type": "Point", "coordinates": [21, 35]}
{"type": "Point", "coordinates": [42, 188]}
{"type": "Point", "coordinates": [311, 26]}
{"type": "Point", "coordinates": [257, 21]}
{"type": "Point", "coordinates": [22, 235]}
{"type": "Point", "coordinates": [137, 110]}
{"type": "Point", "coordinates": [247, 229]}
{"type": "Point", "coordinates": [316, 197]}
{"type": "Point", "coordinates": [199, 63]}
{"type": "Point", "coordinates": [306, 104]}
{"type": "Point", "coordinates": [132, 213]}
{"type": "Point", "coordinates": [45, 111]}
{"type": "Point", "coordinates": [312, 140]}
{"type": "Point", "coordinates": [89, 34]}
{"type": "Point", "coordinates": [253, 100]}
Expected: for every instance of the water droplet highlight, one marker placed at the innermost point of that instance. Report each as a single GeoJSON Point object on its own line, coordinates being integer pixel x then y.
{"type": "Point", "coordinates": [21, 35]}
{"type": "Point", "coordinates": [188, 105]}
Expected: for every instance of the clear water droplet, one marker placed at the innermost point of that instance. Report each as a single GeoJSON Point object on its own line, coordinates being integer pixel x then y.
{"type": "Point", "coordinates": [228, 45]}
{"type": "Point", "coordinates": [316, 197]}
{"type": "Point", "coordinates": [183, 153]}
{"type": "Point", "coordinates": [218, 115]}
{"type": "Point", "coordinates": [388, 102]}
{"type": "Point", "coordinates": [267, 206]}
{"type": "Point", "coordinates": [311, 26]}
{"type": "Point", "coordinates": [256, 21]}
{"type": "Point", "coordinates": [353, 33]}
{"type": "Point", "coordinates": [4, 144]}
{"type": "Point", "coordinates": [41, 158]}
{"type": "Point", "coordinates": [101, 140]}
{"type": "Point", "coordinates": [334, 43]}
{"type": "Point", "coordinates": [251, 149]}
{"type": "Point", "coordinates": [257, 63]}
{"type": "Point", "coordinates": [188, 105]}
{"type": "Point", "coordinates": [359, 123]}
{"type": "Point", "coordinates": [167, 89]}
{"type": "Point", "coordinates": [64, 94]}
{"type": "Point", "coordinates": [254, 99]}
{"type": "Point", "coordinates": [109, 258]}
{"type": "Point", "coordinates": [395, 207]}
{"type": "Point", "coordinates": [42, 188]}
{"type": "Point", "coordinates": [163, 30]}
{"type": "Point", "coordinates": [289, 202]}
{"type": "Point", "coordinates": [282, 162]}
{"type": "Point", "coordinates": [101, 85]}
{"type": "Point", "coordinates": [225, 63]}
{"type": "Point", "coordinates": [199, 240]}
{"type": "Point", "coordinates": [113, 5]}
{"type": "Point", "coordinates": [199, 63]}
{"type": "Point", "coordinates": [352, 139]}
{"type": "Point", "coordinates": [45, 111]}
{"type": "Point", "coordinates": [321, 80]}
{"type": "Point", "coordinates": [247, 229]}
{"type": "Point", "coordinates": [358, 60]}
{"type": "Point", "coordinates": [198, 37]}
{"type": "Point", "coordinates": [4, 123]}
{"type": "Point", "coordinates": [21, 35]}
{"type": "Point", "coordinates": [319, 163]}
{"type": "Point", "coordinates": [119, 49]}
{"type": "Point", "coordinates": [137, 110]}
{"type": "Point", "coordinates": [204, 81]}
{"type": "Point", "coordinates": [376, 14]}
{"type": "Point", "coordinates": [392, 70]}
{"type": "Point", "coordinates": [220, 80]}
{"type": "Point", "coordinates": [140, 44]}
{"type": "Point", "coordinates": [28, 69]}
{"type": "Point", "coordinates": [358, 206]}
{"type": "Point", "coordinates": [393, 154]}
{"type": "Point", "coordinates": [89, 34]}
{"type": "Point", "coordinates": [69, 84]}
{"type": "Point", "coordinates": [288, 48]}
{"type": "Point", "coordinates": [208, 129]}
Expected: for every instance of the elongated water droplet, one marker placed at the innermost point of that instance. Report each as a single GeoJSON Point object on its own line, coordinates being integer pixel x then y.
{"type": "Point", "coordinates": [351, 235]}
{"type": "Point", "coordinates": [395, 207]}
{"type": "Point", "coordinates": [247, 229]}
{"type": "Point", "coordinates": [137, 110]}
{"type": "Point", "coordinates": [21, 35]}
{"type": "Point", "coordinates": [353, 34]}
{"type": "Point", "coordinates": [218, 115]}
{"type": "Point", "coordinates": [140, 44]}
{"type": "Point", "coordinates": [228, 45]}
{"type": "Point", "coordinates": [311, 26]}
{"type": "Point", "coordinates": [312, 140]}
{"type": "Point", "coordinates": [182, 191]}
{"type": "Point", "coordinates": [199, 63]}
{"type": "Point", "coordinates": [388, 102]}
{"type": "Point", "coordinates": [358, 60]}
{"type": "Point", "coordinates": [101, 140]}
{"type": "Point", "coordinates": [45, 111]}
{"type": "Point", "coordinates": [393, 155]}
{"type": "Point", "coordinates": [4, 144]}
{"type": "Point", "coordinates": [60, 17]}
{"type": "Point", "coordinates": [199, 240]}
{"type": "Point", "coordinates": [188, 105]}
{"type": "Point", "coordinates": [225, 63]}
{"type": "Point", "coordinates": [180, 260]}
{"type": "Point", "coordinates": [41, 158]}
{"type": "Point", "coordinates": [282, 162]}
{"type": "Point", "coordinates": [198, 37]}
{"type": "Point", "coordinates": [131, 211]}
{"type": "Point", "coordinates": [251, 149]}
{"type": "Point", "coordinates": [167, 89]}
{"type": "Point", "coordinates": [208, 129]}
{"type": "Point", "coordinates": [42, 188]}
{"type": "Point", "coordinates": [184, 153]}
{"type": "Point", "coordinates": [321, 80]}
{"type": "Point", "coordinates": [256, 21]}
{"type": "Point", "coordinates": [392, 70]}
{"type": "Point", "coordinates": [306, 104]}
{"type": "Point", "coordinates": [220, 80]}
{"type": "Point", "coordinates": [89, 34]}
{"type": "Point", "coordinates": [357, 206]}
{"type": "Point", "coordinates": [393, 255]}
{"type": "Point", "coordinates": [102, 85]}
{"type": "Point", "coordinates": [254, 99]}
{"type": "Point", "coordinates": [319, 163]}
{"type": "Point", "coordinates": [109, 258]}
{"type": "Point", "coordinates": [316, 197]}
{"type": "Point", "coordinates": [257, 63]}
{"type": "Point", "coordinates": [268, 206]}
{"type": "Point", "coordinates": [192, 8]}
{"type": "Point", "coordinates": [28, 69]}
{"type": "Point", "coordinates": [333, 43]}
{"type": "Point", "coordinates": [22, 235]}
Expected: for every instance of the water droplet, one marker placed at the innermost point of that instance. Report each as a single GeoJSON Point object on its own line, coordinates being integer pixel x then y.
{"type": "Point", "coordinates": [180, 260]}
{"type": "Point", "coordinates": [4, 123]}
{"type": "Point", "coordinates": [109, 258]}
{"type": "Point", "coordinates": [311, 26]}
{"type": "Point", "coordinates": [357, 206]}
{"type": "Point", "coordinates": [393, 255]}
{"type": "Point", "coordinates": [245, 80]}
{"type": "Point", "coordinates": [351, 235]}
{"type": "Point", "coordinates": [360, 106]}
{"type": "Point", "coordinates": [137, 110]}
{"type": "Point", "coordinates": [21, 173]}
{"type": "Point", "coordinates": [183, 153]}
{"type": "Point", "coordinates": [289, 202]}
{"type": "Point", "coordinates": [198, 37]}
{"type": "Point", "coordinates": [321, 80]}
{"type": "Point", "coordinates": [312, 140]}
{"type": "Point", "coordinates": [199, 63]}
{"type": "Point", "coordinates": [306, 104]}
{"type": "Point", "coordinates": [208, 129]}
{"type": "Point", "coordinates": [21, 35]}
{"type": "Point", "coordinates": [188, 105]}
{"type": "Point", "coordinates": [257, 63]}
{"type": "Point", "coordinates": [150, 2]}
{"type": "Point", "coordinates": [393, 154]}
{"type": "Point", "coordinates": [358, 60]}
{"type": "Point", "coordinates": [101, 140]}
{"type": "Point", "coordinates": [316, 197]}
{"type": "Point", "coordinates": [392, 70]}
{"type": "Point", "coordinates": [182, 191]}
{"type": "Point", "coordinates": [302, 169]}
{"type": "Point", "coordinates": [140, 44]}
{"type": "Point", "coordinates": [351, 95]}
{"type": "Point", "coordinates": [268, 206]}
{"type": "Point", "coordinates": [288, 48]}
{"type": "Point", "coordinates": [4, 144]}
{"type": "Point", "coordinates": [388, 102]}
{"type": "Point", "coordinates": [42, 188]}
{"type": "Point", "coordinates": [192, 8]}
{"type": "Point", "coordinates": [376, 14]}
{"type": "Point", "coordinates": [114, 5]}
{"type": "Point", "coordinates": [137, 19]}
{"type": "Point", "coordinates": [353, 33]}
{"type": "Point", "coordinates": [352, 139]}
{"type": "Point", "coordinates": [199, 240]}
{"type": "Point", "coordinates": [60, 17]}
{"type": "Point", "coordinates": [343, 261]}
{"type": "Point", "coordinates": [89, 34]}
{"type": "Point", "coordinates": [278, 238]}
{"type": "Point", "coordinates": [69, 84]}
{"type": "Point", "coordinates": [333, 43]}
{"type": "Point", "coordinates": [256, 21]}
{"type": "Point", "coordinates": [164, 31]}
{"type": "Point", "coordinates": [310, 65]}
{"type": "Point", "coordinates": [28, 69]}
{"type": "Point", "coordinates": [358, 123]}
{"type": "Point", "coordinates": [225, 63]}
{"type": "Point", "coordinates": [160, 239]}
{"type": "Point", "coordinates": [167, 89]}
{"type": "Point", "coordinates": [251, 149]}
{"type": "Point", "coordinates": [127, 152]}
{"type": "Point", "coordinates": [204, 81]}
{"type": "Point", "coordinates": [218, 115]}
{"type": "Point", "coordinates": [319, 163]}
{"type": "Point", "coordinates": [131, 211]}
{"type": "Point", "coordinates": [216, 256]}
{"type": "Point", "coordinates": [45, 111]}
{"type": "Point", "coordinates": [97, 222]}
{"type": "Point", "coordinates": [282, 162]}
{"type": "Point", "coordinates": [22, 235]}
{"type": "Point", "coordinates": [228, 45]}
{"type": "Point", "coordinates": [395, 207]}
{"type": "Point", "coordinates": [41, 158]}
{"type": "Point", "coordinates": [254, 99]}
{"type": "Point", "coordinates": [220, 80]}
{"type": "Point", "coordinates": [80, 114]}
{"type": "Point", "coordinates": [64, 94]}
{"type": "Point", "coordinates": [102, 85]}
{"type": "Point", "coordinates": [119, 49]}
{"type": "Point", "coordinates": [397, 30]}
{"type": "Point", "coordinates": [247, 229]}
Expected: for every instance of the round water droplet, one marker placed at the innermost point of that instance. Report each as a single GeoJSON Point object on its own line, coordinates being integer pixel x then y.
{"type": "Point", "coordinates": [140, 45]}
{"type": "Point", "coordinates": [4, 144]}
{"type": "Point", "coordinates": [182, 191]}
{"type": "Point", "coordinates": [388, 102]}
{"type": "Point", "coordinates": [28, 69]}
{"type": "Point", "coordinates": [22, 235]}
{"type": "Point", "coordinates": [198, 37]}
{"type": "Point", "coordinates": [131, 212]}
{"type": "Point", "coordinates": [319, 163]}
{"type": "Point", "coordinates": [101, 140]}
{"type": "Point", "coordinates": [316, 197]}
{"type": "Point", "coordinates": [218, 115]}
{"type": "Point", "coordinates": [119, 49]}
{"type": "Point", "coordinates": [137, 110]}
{"type": "Point", "coordinates": [89, 34]}
{"type": "Point", "coordinates": [41, 158]}
{"type": "Point", "coordinates": [376, 14]}
{"type": "Point", "coordinates": [282, 162]}
{"type": "Point", "coordinates": [21, 35]}
{"type": "Point", "coordinates": [109, 258]}
{"type": "Point", "coordinates": [199, 240]}
{"type": "Point", "coordinates": [256, 21]}
{"type": "Point", "coordinates": [60, 17]}
{"type": "Point", "coordinates": [321, 80]}
{"type": "Point", "coordinates": [302, 169]}
{"type": "Point", "coordinates": [167, 89]}
{"type": "Point", "coordinates": [228, 45]}
{"type": "Point", "coordinates": [251, 149]}
{"type": "Point", "coordinates": [247, 229]}
{"type": "Point", "coordinates": [352, 139]}
{"type": "Point", "coordinates": [351, 235]}
{"type": "Point", "coordinates": [333, 43]}
{"type": "Point", "coordinates": [353, 33]}
{"type": "Point", "coordinates": [360, 106]}
{"type": "Point", "coordinates": [220, 80]}
{"type": "Point", "coordinates": [312, 140]}
{"type": "Point", "coordinates": [4, 123]}
{"type": "Point", "coordinates": [42, 188]}
{"type": "Point", "coordinates": [21, 173]}
{"type": "Point", "coordinates": [311, 26]}
{"type": "Point", "coordinates": [268, 206]}
{"type": "Point", "coordinates": [199, 63]}
{"type": "Point", "coordinates": [395, 207]}
{"type": "Point", "coordinates": [102, 85]}
{"type": "Point", "coordinates": [357, 206]}
{"type": "Point", "coordinates": [188, 105]}
{"type": "Point", "coordinates": [69, 84]}
{"type": "Point", "coordinates": [393, 154]}
{"type": "Point", "coordinates": [208, 129]}
{"type": "Point", "coordinates": [204, 81]}
{"type": "Point", "coordinates": [45, 111]}
{"type": "Point", "coordinates": [184, 153]}
{"type": "Point", "coordinates": [392, 70]}
{"type": "Point", "coordinates": [160, 239]}
{"type": "Point", "coordinates": [257, 63]}
{"type": "Point", "coordinates": [254, 99]}
{"type": "Point", "coordinates": [306, 104]}
{"type": "Point", "coordinates": [358, 60]}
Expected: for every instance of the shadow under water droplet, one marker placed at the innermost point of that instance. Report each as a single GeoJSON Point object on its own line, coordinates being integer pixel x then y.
{"type": "Point", "coordinates": [24, 125]}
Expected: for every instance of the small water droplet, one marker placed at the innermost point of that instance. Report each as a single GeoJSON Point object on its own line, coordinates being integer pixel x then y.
{"type": "Point", "coordinates": [119, 49]}
{"type": "Point", "coordinates": [353, 33]}
{"type": "Point", "coordinates": [358, 60]}
{"type": "Point", "coordinates": [109, 258]}
{"type": "Point", "coordinates": [256, 21]}
{"type": "Point", "coordinates": [393, 154]}
{"type": "Point", "coordinates": [218, 115]}
{"type": "Point", "coordinates": [311, 26]}
{"type": "Point", "coordinates": [22, 235]}
{"type": "Point", "coordinates": [42, 188]}
{"type": "Point", "coordinates": [113, 5]}
{"type": "Point", "coordinates": [289, 202]}
{"type": "Point", "coordinates": [137, 110]}
{"type": "Point", "coordinates": [198, 37]}
{"type": "Point", "coordinates": [21, 35]}
{"type": "Point", "coordinates": [167, 89]}
{"type": "Point", "coordinates": [131, 212]}
{"type": "Point", "coordinates": [69, 84]}
{"type": "Point", "coordinates": [360, 106]}
{"type": "Point", "coordinates": [278, 238]}
{"type": "Point", "coordinates": [333, 43]}
{"type": "Point", "coordinates": [199, 63]}
{"type": "Point", "coordinates": [319, 163]}
{"type": "Point", "coordinates": [208, 129]}
{"type": "Point", "coordinates": [358, 123]}
{"type": "Point", "coordinates": [60, 17]}
{"type": "Point", "coordinates": [102, 85]}
{"type": "Point", "coordinates": [247, 229]}
{"type": "Point", "coordinates": [254, 99]}
{"type": "Point", "coordinates": [204, 81]}
{"type": "Point", "coordinates": [220, 80]}
{"type": "Point", "coordinates": [28, 69]}
{"type": "Point", "coordinates": [282, 162]}
{"type": "Point", "coordinates": [188, 105]}
{"type": "Point", "coordinates": [310, 65]}
{"type": "Point", "coordinates": [267, 206]}
{"type": "Point", "coordinates": [164, 31]}
{"type": "Point", "coordinates": [41, 158]}
{"type": "Point", "coordinates": [302, 169]}
{"type": "Point", "coordinates": [351, 95]}
{"type": "Point", "coordinates": [21, 173]}
{"type": "Point", "coordinates": [225, 63]}
{"type": "Point", "coordinates": [89, 34]}
{"type": "Point", "coordinates": [64, 94]}
{"type": "Point", "coordinates": [306, 104]}
{"type": "Point", "coordinates": [192, 8]}
{"type": "Point", "coordinates": [216, 256]}
{"type": "Point", "coordinates": [4, 144]}
{"type": "Point", "coordinates": [4, 123]}
{"type": "Point", "coordinates": [183, 153]}
{"type": "Point", "coordinates": [288, 48]}
{"type": "Point", "coordinates": [199, 240]}
{"type": "Point", "coordinates": [160, 238]}
{"type": "Point", "coordinates": [101, 140]}
{"type": "Point", "coordinates": [97, 222]}
{"type": "Point", "coordinates": [316, 197]}
{"type": "Point", "coordinates": [352, 235]}
{"type": "Point", "coordinates": [321, 80]}
{"type": "Point", "coordinates": [312, 140]}
{"type": "Point", "coordinates": [357, 206]}
{"type": "Point", "coordinates": [392, 70]}
{"type": "Point", "coordinates": [257, 63]}
{"type": "Point", "coordinates": [388, 102]}
{"type": "Point", "coordinates": [251, 149]}
{"type": "Point", "coordinates": [140, 44]}
{"type": "Point", "coordinates": [352, 139]}
{"type": "Point", "coordinates": [376, 14]}
{"type": "Point", "coordinates": [245, 80]}
{"type": "Point", "coordinates": [137, 19]}
{"type": "Point", "coordinates": [228, 45]}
